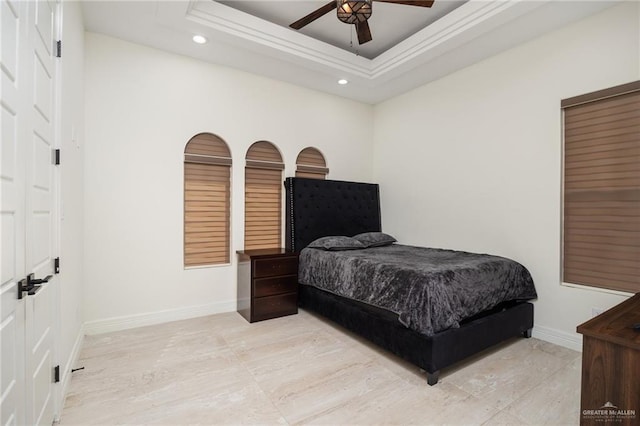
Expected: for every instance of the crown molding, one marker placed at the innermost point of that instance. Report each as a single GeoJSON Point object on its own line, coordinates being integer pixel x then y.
{"type": "Point", "coordinates": [446, 34]}
{"type": "Point", "coordinates": [254, 33]}
{"type": "Point", "coordinates": [473, 31]}
{"type": "Point", "coordinates": [450, 32]}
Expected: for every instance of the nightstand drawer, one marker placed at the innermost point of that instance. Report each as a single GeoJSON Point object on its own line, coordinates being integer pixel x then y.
{"type": "Point", "coordinates": [272, 286]}
{"type": "Point", "coordinates": [272, 306]}
{"type": "Point", "coordinates": [275, 267]}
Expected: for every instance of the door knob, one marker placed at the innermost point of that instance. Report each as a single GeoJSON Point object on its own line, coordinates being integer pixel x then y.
{"type": "Point", "coordinates": [31, 280]}
{"type": "Point", "coordinates": [34, 285]}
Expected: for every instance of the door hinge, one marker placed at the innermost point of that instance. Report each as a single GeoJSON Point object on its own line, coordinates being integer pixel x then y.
{"type": "Point", "coordinates": [56, 265]}
{"type": "Point", "coordinates": [56, 374]}
{"type": "Point", "coordinates": [59, 49]}
{"type": "Point", "coordinates": [56, 157]}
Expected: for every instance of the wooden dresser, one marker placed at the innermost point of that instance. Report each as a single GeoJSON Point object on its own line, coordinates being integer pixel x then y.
{"type": "Point", "coordinates": [611, 366]}
{"type": "Point", "coordinates": [267, 283]}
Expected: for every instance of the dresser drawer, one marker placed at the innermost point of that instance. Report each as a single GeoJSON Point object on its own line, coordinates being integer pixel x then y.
{"type": "Point", "coordinates": [273, 306]}
{"type": "Point", "coordinates": [272, 286]}
{"type": "Point", "coordinates": [275, 267]}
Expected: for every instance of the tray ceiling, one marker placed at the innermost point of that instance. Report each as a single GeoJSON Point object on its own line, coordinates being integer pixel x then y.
{"type": "Point", "coordinates": [390, 23]}
{"type": "Point", "coordinates": [411, 45]}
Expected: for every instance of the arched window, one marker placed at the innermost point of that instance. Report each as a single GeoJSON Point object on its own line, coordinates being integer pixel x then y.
{"type": "Point", "coordinates": [310, 164]}
{"type": "Point", "coordinates": [207, 200]}
{"type": "Point", "coordinates": [263, 197]}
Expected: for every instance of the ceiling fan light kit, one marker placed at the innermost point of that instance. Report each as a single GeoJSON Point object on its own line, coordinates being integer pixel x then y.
{"type": "Point", "coordinates": [354, 11]}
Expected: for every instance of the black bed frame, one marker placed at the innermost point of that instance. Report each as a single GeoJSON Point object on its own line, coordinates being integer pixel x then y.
{"type": "Point", "coordinates": [318, 208]}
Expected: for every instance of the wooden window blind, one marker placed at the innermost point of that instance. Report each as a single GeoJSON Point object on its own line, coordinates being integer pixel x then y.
{"type": "Point", "coordinates": [263, 197]}
{"type": "Point", "coordinates": [207, 193]}
{"type": "Point", "coordinates": [602, 189]}
{"type": "Point", "coordinates": [310, 164]}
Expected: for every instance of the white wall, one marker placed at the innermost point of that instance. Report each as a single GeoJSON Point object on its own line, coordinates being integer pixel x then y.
{"type": "Point", "coordinates": [473, 161]}
{"type": "Point", "coordinates": [71, 110]}
{"type": "Point", "coordinates": [142, 106]}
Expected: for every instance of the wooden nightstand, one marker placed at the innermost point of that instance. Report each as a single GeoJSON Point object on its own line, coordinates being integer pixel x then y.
{"type": "Point", "coordinates": [611, 366]}
{"type": "Point", "coordinates": [267, 283]}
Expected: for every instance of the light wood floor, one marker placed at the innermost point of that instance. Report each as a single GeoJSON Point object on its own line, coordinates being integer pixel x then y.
{"type": "Point", "coordinates": [303, 370]}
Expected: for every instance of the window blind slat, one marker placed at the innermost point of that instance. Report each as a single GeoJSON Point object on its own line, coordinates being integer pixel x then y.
{"type": "Point", "coordinates": [570, 147]}
{"type": "Point", "coordinates": [603, 135]}
{"type": "Point", "coordinates": [604, 116]}
{"type": "Point", "coordinates": [606, 276]}
{"type": "Point", "coordinates": [614, 221]}
{"type": "Point", "coordinates": [260, 176]}
{"type": "Point", "coordinates": [614, 262]}
{"type": "Point", "coordinates": [604, 130]}
{"type": "Point", "coordinates": [625, 167]}
{"type": "Point", "coordinates": [601, 147]}
{"type": "Point", "coordinates": [604, 251]}
{"type": "Point", "coordinates": [208, 228]}
{"type": "Point", "coordinates": [604, 269]}
{"type": "Point", "coordinates": [613, 153]}
{"type": "Point", "coordinates": [603, 161]}
{"type": "Point", "coordinates": [197, 172]}
{"type": "Point", "coordinates": [601, 184]}
{"type": "Point", "coordinates": [601, 225]}
{"type": "Point", "coordinates": [624, 174]}
{"type": "Point", "coordinates": [608, 282]}
{"type": "Point", "coordinates": [619, 198]}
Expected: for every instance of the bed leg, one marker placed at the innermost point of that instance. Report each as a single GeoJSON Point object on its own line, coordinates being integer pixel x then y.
{"type": "Point", "coordinates": [527, 333]}
{"type": "Point", "coordinates": [432, 378]}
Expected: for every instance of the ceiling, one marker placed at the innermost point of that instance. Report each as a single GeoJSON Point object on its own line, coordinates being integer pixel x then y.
{"type": "Point", "coordinates": [383, 22]}
{"type": "Point", "coordinates": [411, 45]}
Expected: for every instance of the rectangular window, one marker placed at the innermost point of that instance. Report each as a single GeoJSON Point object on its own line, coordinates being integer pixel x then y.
{"type": "Point", "coordinates": [263, 207]}
{"type": "Point", "coordinates": [206, 212]}
{"type": "Point", "coordinates": [601, 235]}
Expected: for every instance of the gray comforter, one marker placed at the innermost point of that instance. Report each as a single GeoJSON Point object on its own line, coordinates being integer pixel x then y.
{"type": "Point", "coordinates": [430, 289]}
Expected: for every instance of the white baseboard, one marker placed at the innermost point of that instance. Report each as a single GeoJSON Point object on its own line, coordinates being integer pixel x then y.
{"type": "Point", "coordinates": [150, 318]}
{"type": "Point", "coordinates": [70, 362]}
{"type": "Point", "coordinates": [558, 337]}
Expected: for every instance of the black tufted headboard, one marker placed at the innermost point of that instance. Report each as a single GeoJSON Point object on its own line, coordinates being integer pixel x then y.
{"type": "Point", "coordinates": [319, 208]}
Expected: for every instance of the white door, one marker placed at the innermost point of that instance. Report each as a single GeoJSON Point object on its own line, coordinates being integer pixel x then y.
{"type": "Point", "coordinates": [12, 211]}
{"type": "Point", "coordinates": [40, 216]}
{"type": "Point", "coordinates": [29, 225]}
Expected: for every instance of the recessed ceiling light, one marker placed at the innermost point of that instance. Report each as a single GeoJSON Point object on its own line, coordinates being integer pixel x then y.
{"type": "Point", "coordinates": [199, 39]}
{"type": "Point", "coordinates": [342, 81]}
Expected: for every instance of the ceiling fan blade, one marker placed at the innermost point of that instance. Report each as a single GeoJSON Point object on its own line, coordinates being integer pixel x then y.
{"type": "Point", "coordinates": [364, 32]}
{"type": "Point", "coordinates": [421, 3]}
{"type": "Point", "coordinates": [313, 15]}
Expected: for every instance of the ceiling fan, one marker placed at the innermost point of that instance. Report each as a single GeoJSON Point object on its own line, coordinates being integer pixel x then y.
{"type": "Point", "coordinates": [354, 12]}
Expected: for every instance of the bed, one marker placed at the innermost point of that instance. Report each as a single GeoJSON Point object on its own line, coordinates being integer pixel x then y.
{"type": "Point", "coordinates": [320, 208]}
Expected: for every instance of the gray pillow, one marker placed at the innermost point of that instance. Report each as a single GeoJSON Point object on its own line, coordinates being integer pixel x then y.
{"type": "Point", "coordinates": [336, 243]}
{"type": "Point", "coordinates": [375, 239]}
